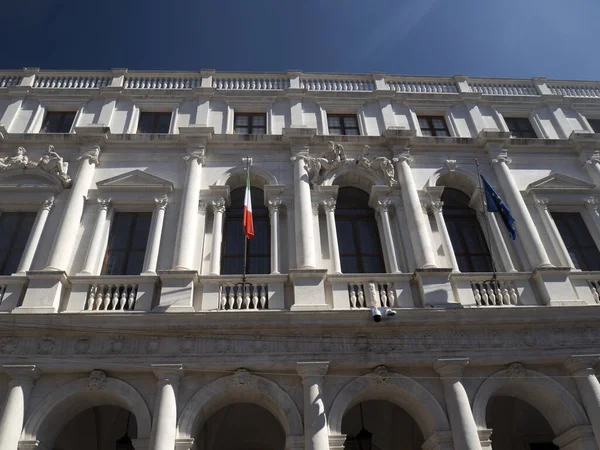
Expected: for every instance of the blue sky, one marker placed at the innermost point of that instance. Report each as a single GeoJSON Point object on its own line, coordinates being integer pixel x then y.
{"type": "Point", "coordinates": [509, 38]}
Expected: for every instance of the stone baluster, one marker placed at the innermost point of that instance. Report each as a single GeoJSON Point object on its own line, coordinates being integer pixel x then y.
{"type": "Point", "coordinates": [35, 235]}
{"type": "Point", "coordinates": [274, 208]}
{"type": "Point", "coordinates": [69, 225]}
{"type": "Point", "coordinates": [436, 206]}
{"type": "Point", "coordinates": [316, 435]}
{"type": "Point", "coordinates": [524, 223]}
{"type": "Point", "coordinates": [418, 229]}
{"type": "Point", "coordinates": [304, 232]}
{"type": "Point", "coordinates": [382, 209]}
{"type": "Point", "coordinates": [464, 429]}
{"type": "Point", "coordinates": [559, 245]}
{"type": "Point", "coordinates": [164, 422]}
{"type": "Point", "coordinates": [185, 244]}
{"type": "Point", "coordinates": [581, 368]}
{"type": "Point", "coordinates": [155, 235]}
{"type": "Point", "coordinates": [334, 248]}
{"type": "Point", "coordinates": [93, 254]}
{"type": "Point", "coordinates": [19, 388]}
{"type": "Point", "coordinates": [217, 236]}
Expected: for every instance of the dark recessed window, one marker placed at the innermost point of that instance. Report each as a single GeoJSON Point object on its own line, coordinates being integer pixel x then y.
{"type": "Point", "coordinates": [520, 127]}
{"type": "Point", "coordinates": [357, 233]}
{"type": "Point", "coordinates": [468, 241]}
{"type": "Point", "coordinates": [250, 123]}
{"type": "Point", "coordinates": [14, 232]}
{"type": "Point", "coordinates": [259, 247]}
{"type": "Point", "coordinates": [58, 122]}
{"type": "Point", "coordinates": [543, 446]}
{"type": "Point", "coordinates": [154, 122]}
{"type": "Point", "coordinates": [578, 240]}
{"type": "Point", "coordinates": [343, 124]}
{"type": "Point", "coordinates": [433, 126]}
{"type": "Point", "coordinates": [127, 244]}
{"type": "Point", "coordinates": [595, 124]}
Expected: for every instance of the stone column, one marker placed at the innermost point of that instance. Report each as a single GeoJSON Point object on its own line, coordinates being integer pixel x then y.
{"type": "Point", "coordinates": [581, 368]}
{"type": "Point", "coordinates": [69, 225]}
{"type": "Point", "coordinates": [217, 236]}
{"type": "Point", "coordinates": [316, 435]}
{"type": "Point", "coordinates": [274, 207]}
{"type": "Point", "coordinates": [19, 388]}
{"type": "Point", "coordinates": [563, 254]}
{"type": "Point", "coordinates": [304, 232]}
{"type": "Point", "coordinates": [164, 421]}
{"type": "Point", "coordinates": [436, 206]}
{"type": "Point", "coordinates": [155, 235]}
{"type": "Point", "coordinates": [464, 429]}
{"type": "Point", "coordinates": [334, 247]}
{"type": "Point", "coordinates": [382, 209]}
{"type": "Point", "coordinates": [419, 236]}
{"type": "Point", "coordinates": [185, 244]}
{"type": "Point", "coordinates": [35, 235]}
{"type": "Point", "coordinates": [524, 223]}
{"type": "Point", "coordinates": [93, 254]}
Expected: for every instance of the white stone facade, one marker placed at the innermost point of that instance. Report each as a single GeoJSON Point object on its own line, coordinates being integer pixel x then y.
{"type": "Point", "coordinates": [165, 349]}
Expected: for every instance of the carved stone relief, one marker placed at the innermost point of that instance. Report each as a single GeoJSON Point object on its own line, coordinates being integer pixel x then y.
{"type": "Point", "coordinates": [50, 162]}
{"type": "Point", "coordinates": [97, 380]}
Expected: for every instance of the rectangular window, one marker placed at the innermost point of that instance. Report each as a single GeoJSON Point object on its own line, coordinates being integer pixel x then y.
{"type": "Point", "coordinates": [578, 240]}
{"type": "Point", "coordinates": [154, 122]}
{"type": "Point", "coordinates": [595, 124]}
{"type": "Point", "coordinates": [520, 127]}
{"type": "Point", "coordinates": [250, 123]}
{"type": "Point", "coordinates": [433, 126]}
{"type": "Point", "coordinates": [343, 125]}
{"type": "Point", "coordinates": [58, 121]}
{"type": "Point", "coordinates": [127, 244]}
{"type": "Point", "coordinates": [14, 232]}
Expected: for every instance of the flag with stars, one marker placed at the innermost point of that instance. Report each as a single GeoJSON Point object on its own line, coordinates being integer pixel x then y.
{"type": "Point", "coordinates": [496, 204]}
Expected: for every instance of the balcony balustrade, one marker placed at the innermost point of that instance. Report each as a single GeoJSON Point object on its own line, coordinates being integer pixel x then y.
{"type": "Point", "coordinates": [225, 293]}
{"type": "Point", "coordinates": [356, 291]}
{"type": "Point", "coordinates": [483, 290]}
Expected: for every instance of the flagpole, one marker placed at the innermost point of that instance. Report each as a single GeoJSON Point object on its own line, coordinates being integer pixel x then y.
{"type": "Point", "coordinates": [486, 220]}
{"type": "Point", "coordinates": [245, 268]}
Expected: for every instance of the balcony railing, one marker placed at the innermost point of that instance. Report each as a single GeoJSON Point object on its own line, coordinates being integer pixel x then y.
{"type": "Point", "coordinates": [111, 297]}
{"type": "Point", "coordinates": [422, 86]}
{"type": "Point", "coordinates": [67, 81]}
{"type": "Point", "coordinates": [234, 296]}
{"type": "Point", "coordinates": [225, 293]}
{"type": "Point", "coordinates": [158, 81]}
{"type": "Point", "coordinates": [337, 83]}
{"type": "Point", "coordinates": [356, 291]}
{"type": "Point", "coordinates": [371, 294]}
{"type": "Point", "coordinates": [485, 290]}
{"type": "Point", "coordinates": [243, 82]}
{"type": "Point", "coordinates": [575, 89]}
{"type": "Point", "coordinates": [9, 80]}
{"type": "Point", "coordinates": [495, 293]}
{"type": "Point", "coordinates": [503, 88]}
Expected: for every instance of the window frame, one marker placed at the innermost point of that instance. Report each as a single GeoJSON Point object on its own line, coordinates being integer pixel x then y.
{"type": "Point", "coordinates": [342, 126]}
{"type": "Point", "coordinates": [250, 115]}
{"type": "Point", "coordinates": [59, 111]}
{"type": "Point", "coordinates": [10, 249]}
{"type": "Point", "coordinates": [590, 121]}
{"type": "Point", "coordinates": [155, 122]}
{"type": "Point", "coordinates": [538, 133]}
{"type": "Point", "coordinates": [429, 117]}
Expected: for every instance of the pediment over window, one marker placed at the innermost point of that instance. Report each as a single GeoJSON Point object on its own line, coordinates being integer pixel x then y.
{"type": "Point", "coordinates": [135, 181]}
{"type": "Point", "coordinates": [29, 181]}
{"type": "Point", "coordinates": [560, 183]}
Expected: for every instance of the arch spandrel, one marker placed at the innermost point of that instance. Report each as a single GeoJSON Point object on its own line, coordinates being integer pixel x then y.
{"type": "Point", "coordinates": [236, 177]}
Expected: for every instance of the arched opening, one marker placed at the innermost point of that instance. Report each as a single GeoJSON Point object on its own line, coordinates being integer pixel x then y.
{"type": "Point", "coordinates": [516, 425]}
{"type": "Point", "coordinates": [97, 428]}
{"type": "Point", "coordinates": [388, 427]}
{"type": "Point", "coordinates": [468, 241]}
{"type": "Point", "coordinates": [241, 426]}
{"type": "Point", "coordinates": [357, 233]}
{"type": "Point", "coordinates": [259, 247]}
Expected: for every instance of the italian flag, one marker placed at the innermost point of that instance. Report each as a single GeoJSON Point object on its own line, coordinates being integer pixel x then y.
{"type": "Point", "coordinates": [248, 222]}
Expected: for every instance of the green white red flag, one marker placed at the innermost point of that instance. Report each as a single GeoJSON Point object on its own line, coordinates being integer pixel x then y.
{"type": "Point", "coordinates": [248, 222]}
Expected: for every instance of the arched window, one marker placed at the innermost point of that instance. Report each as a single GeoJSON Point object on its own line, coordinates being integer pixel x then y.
{"type": "Point", "coordinates": [468, 241]}
{"type": "Point", "coordinates": [357, 232]}
{"type": "Point", "coordinates": [259, 249]}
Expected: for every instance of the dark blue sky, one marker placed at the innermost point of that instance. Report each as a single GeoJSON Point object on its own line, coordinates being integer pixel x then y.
{"type": "Point", "coordinates": [509, 38]}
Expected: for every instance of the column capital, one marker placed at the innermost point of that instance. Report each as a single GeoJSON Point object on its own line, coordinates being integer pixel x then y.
{"type": "Point", "coordinates": [169, 373]}
{"type": "Point", "coordinates": [218, 205]}
{"type": "Point", "coordinates": [48, 203]}
{"type": "Point", "coordinates": [591, 203]}
{"type": "Point", "coordinates": [91, 153]}
{"type": "Point", "coordinates": [202, 206]}
{"type": "Point", "coordinates": [451, 367]}
{"type": "Point", "coordinates": [196, 152]}
{"type": "Point", "coordinates": [582, 364]}
{"type": "Point", "coordinates": [329, 204]}
{"type": "Point", "coordinates": [274, 205]}
{"type": "Point", "coordinates": [594, 158]}
{"type": "Point", "coordinates": [499, 156]}
{"type": "Point", "coordinates": [20, 373]}
{"type": "Point", "coordinates": [161, 202]}
{"type": "Point", "coordinates": [315, 208]}
{"type": "Point", "coordinates": [383, 205]}
{"type": "Point", "coordinates": [312, 369]}
{"type": "Point", "coordinates": [436, 206]}
{"type": "Point", "coordinates": [104, 203]}
{"type": "Point", "coordinates": [403, 156]}
{"type": "Point", "coordinates": [541, 203]}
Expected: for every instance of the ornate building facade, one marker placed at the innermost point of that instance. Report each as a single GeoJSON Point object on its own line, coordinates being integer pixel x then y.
{"type": "Point", "coordinates": [124, 320]}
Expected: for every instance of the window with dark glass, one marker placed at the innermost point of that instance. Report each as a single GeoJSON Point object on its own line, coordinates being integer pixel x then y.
{"type": "Point", "coordinates": [520, 127]}
{"type": "Point", "coordinates": [58, 122]}
{"type": "Point", "coordinates": [469, 244]}
{"type": "Point", "coordinates": [154, 122]}
{"type": "Point", "coordinates": [14, 232]}
{"type": "Point", "coordinates": [433, 126]}
{"type": "Point", "coordinates": [357, 233]}
{"type": "Point", "coordinates": [259, 247]}
{"type": "Point", "coordinates": [250, 123]}
{"type": "Point", "coordinates": [578, 240]}
{"type": "Point", "coordinates": [343, 124]}
{"type": "Point", "coordinates": [595, 124]}
{"type": "Point", "coordinates": [127, 244]}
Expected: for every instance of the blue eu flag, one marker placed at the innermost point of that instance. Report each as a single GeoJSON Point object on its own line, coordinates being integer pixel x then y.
{"type": "Point", "coordinates": [496, 204]}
